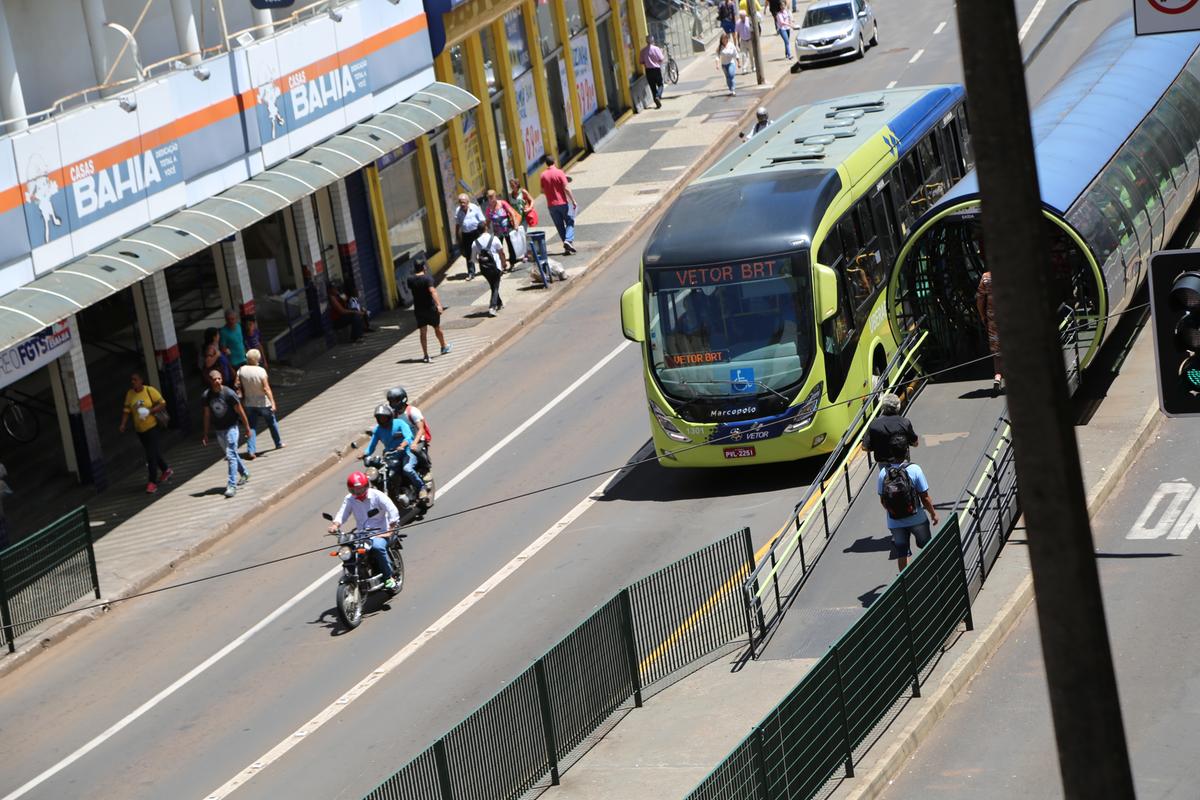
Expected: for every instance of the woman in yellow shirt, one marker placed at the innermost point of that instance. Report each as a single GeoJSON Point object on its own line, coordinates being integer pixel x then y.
{"type": "Point", "coordinates": [142, 402]}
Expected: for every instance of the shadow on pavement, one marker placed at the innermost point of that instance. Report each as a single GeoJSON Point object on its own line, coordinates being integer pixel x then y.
{"type": "Point", "coordinates": [651, 482]}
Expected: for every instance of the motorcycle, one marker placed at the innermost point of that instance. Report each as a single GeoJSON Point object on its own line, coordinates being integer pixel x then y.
{"type": "Point", "coordinates": [390, 480]}
{"type": "Point", "coordinates": [360, 576]}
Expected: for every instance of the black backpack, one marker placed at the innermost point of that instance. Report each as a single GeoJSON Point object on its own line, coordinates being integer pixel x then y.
{"type": "Point", "coordinates": [486, 257]}
{"type": "Point", "coordinates": [899, 495]}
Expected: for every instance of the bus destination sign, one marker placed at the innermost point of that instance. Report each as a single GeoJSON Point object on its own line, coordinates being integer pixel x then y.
{"type": "Point", "coordinates": [718, 274]}
{"type": "Point", "coordinates": [696, 359]}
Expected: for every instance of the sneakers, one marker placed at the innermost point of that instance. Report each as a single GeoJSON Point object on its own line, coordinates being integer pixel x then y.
{"type": "Point", "coordinates": [569, 248]}
{"type": "Point", "coordinates": [151, 487]}
{"type": "Point", "coordinates": [166, 476]}
{"type": "Point", "coordinates": [249, 457]}
{"type": "Point", "coordinates": [446, 349]}
{"type": "Point", "coordinates": [423, 494]}
{"type": "Point", "coordinates": [491, 312]}
{"type": "Point", "coordinates": [424, 359]}
{"type": "Point", "coordinates": [245, 476]}
{"type": "Point", "coordinates": [470, 277]}
{"type": "Point", "coordinates": [230, 490]}
{"type": "Point", "coordinates": [390, 584]}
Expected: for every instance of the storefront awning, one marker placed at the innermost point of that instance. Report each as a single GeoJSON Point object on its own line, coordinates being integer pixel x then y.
{"type": "Point", "coordinates": [118, 265]}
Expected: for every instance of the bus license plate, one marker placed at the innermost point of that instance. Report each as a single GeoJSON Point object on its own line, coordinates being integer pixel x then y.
{"type": "Point", "coordinates": [739, 452]}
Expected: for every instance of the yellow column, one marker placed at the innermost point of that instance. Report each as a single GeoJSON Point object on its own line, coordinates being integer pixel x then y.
{"type": "Point", "coordinates": [493, 175]}
{"type": "Point", "coordinates": [540, 87]}
{"type": "Point", "coordinates": [383, 242]}
{"type": "Point", "coordinates": [560, 19]}
{"type": "Point", "coordinates": [433, 205]}
{"type": "Point", "coordinates": [503, 67]}
{"type": "Point", "coordinates": [617, 35]}
{"type": "Point", "coordinates": [638, 29]}
{"type": "Point", "coordinates": [589, 19]}
{"type": "Point", "coordinates": [444, 72]}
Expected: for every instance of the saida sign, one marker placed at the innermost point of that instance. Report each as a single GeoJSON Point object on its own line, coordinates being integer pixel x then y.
{"type": "Point", "coordinates": [1165, 16]}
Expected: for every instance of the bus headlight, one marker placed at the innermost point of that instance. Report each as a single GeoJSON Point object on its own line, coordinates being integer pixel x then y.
{"type": "Point", "coordinates": [808, 410]}
{"type": "Point", "coordinates": [664, 422]}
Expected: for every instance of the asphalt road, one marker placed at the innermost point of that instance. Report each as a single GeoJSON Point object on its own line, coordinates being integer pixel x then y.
{"type": "Point", "coordinates": [1146, 552]}
{"type": "Point", "coordinates": [255, 697]}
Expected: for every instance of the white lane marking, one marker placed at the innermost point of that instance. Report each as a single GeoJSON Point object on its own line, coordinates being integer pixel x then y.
{"type": "Point", "coordinates": [1176, 519]}
{"type": "Point", "coordinates": [167, 692]}
{"type": "Point", "coordinates": [403, 654]}
{"type": "Point", "coordinates": [891, 85]}
{"type": "Point", "coordinates": [916, 55]}
{"type": "Point", "coordinates": [527, 424]}
{"type": "Point", "coordinates": [1028, 23]}
{"type": "Point", "coordinates": [274, 615]}
{"type": "Point", "coordinates": [941, 27]}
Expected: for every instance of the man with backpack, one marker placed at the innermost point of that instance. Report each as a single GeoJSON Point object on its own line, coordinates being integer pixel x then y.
{"type": "Point", "coordinates": [489, 252]}
{"type": "Point", "coordinates": [903, 490]}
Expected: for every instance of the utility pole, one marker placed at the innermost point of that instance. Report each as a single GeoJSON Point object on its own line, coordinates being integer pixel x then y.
{"type": "Point", "coordinates": [755, 46]}
{"type": "Point", "coordinates": [1092, 754]}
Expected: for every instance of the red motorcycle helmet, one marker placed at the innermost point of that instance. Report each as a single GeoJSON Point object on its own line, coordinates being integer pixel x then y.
{"type": "Point", "coordinates": [358, 484]}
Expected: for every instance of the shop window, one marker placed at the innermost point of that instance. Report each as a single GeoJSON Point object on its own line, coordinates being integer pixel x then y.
{"type": "Point", "coordinates": [518, 46]}
{"type": "Point", "coordinates": [575, 20]}
{"type": "Point", "coordinates": [600, 8]}
{"type": "Point", "coordinates": [407, 216]}
{"type": "Point", "coordinates": [547, 29]}
{"type": "Point", "coordinates": [472, 167]}
{"type": "Point", "coordinates": [490, 64]}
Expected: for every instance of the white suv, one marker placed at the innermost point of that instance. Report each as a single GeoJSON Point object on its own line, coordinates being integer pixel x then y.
{"type": "Point", "coordinates": [834, 28]}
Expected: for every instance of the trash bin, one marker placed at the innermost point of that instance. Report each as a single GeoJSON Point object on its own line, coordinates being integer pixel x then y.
{"type": "Point", "coordinates": [537, 246]}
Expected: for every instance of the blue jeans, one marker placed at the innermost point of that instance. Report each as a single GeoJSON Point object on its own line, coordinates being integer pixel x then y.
{"type": "Point", "coordinates": [563, 222]}
{"type": "Point", "coordinates": [253, 414]}
{"type": "Point", "coordinates": [383, 561]}
{"type": "Point", "coordinates": [786, 35]}
{"type": "Point", "coordinates": [730, 70]}
{"type": "Point", "coordinates": [236, 467]}
{"type": "Point", "coordinates": [407, 460]}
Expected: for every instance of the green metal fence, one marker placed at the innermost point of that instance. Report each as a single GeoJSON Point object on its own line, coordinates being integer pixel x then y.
{"type": "Point", "coordinates": [44, 573]}
{"type": "Point", "coordinates": [642, 636]}
{"type": "Point", "coordinates": [817, 729]}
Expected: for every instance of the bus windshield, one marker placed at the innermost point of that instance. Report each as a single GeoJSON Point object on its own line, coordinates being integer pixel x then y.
{"type": "Point", "coordinates": [827, 15]}
{"type": "Point", "coordinates": [732, 329]}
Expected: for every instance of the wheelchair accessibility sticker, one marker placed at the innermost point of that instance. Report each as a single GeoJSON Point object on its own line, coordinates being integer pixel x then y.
{"type": "Point", "coordinates": [741, 380]}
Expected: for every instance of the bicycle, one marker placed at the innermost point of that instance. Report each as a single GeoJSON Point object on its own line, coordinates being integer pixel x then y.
{"type": "Point", "coordinates": [19, 421]}
{"type": "Point", "coordinates": [672, 68]}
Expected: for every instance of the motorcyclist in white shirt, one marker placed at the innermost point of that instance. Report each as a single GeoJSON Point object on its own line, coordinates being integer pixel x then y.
{"type": "Point", "coordinates": [363, 497]}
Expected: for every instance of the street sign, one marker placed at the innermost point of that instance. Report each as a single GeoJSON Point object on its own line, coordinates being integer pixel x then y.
{"type": "Point", "coordinates": [1165, 16]}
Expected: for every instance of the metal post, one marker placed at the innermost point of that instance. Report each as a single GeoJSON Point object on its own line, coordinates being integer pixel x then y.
{"type": "Point", "coordinates": [1093, 756]}
{"type": "Point", "coordinates": [751, 598]}
{"type": "Point", "coordinates": [760, 761]}
{"type": "Point", "coordinates": [912, 651]}
{"type": "Point", "coordinates": [837, 672]}
{"type": "Point", "coordinates": [778, 601]}
{"type": "Point", "coordinates": [91, 552]}
{"type": "Point", "coordinates": [6, 612]}
{"type": "Point", "coordinates": [442, 764]}
{"type": "Point", "coordinates": [756, 42]}
{"type": "Point", "coordinates": [966, 589]}
{"type": "Point", "coordinates": [543, 689]}
{"type": "Point", "coordinates": [627, 629]}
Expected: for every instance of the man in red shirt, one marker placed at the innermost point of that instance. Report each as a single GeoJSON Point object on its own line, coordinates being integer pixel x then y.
{"type": "Point", "coordinates": [560, 200]}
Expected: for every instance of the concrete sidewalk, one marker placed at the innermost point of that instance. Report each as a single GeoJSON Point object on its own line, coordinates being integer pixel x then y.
{"type": "Point", "coordinates": [666, 748]}
{"type": "Point", "coordinates": [643, 164]}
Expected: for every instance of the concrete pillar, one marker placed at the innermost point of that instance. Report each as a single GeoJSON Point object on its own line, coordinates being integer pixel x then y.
{"type": "Point", "coordinates": [231, 260]}
{"type": "Point", "coordinates": [315, 278]}
{"type": "Point", "coordinates": [165, 346]}
{"type": "Point", "coordinates": [343, 228]}
{"type": "Point", "coordinates": [94, 17]}
{"type": "Point", "coordinates": [12, 99]}
{"type": "Point", "coordinates": [185, 29]}
{"type": "Point", "coordinates": [262, 17]}
{"type": "Point", "coordinates": [84, 432]}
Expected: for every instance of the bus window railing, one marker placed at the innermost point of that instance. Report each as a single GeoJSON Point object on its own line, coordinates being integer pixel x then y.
{"type": "Point", "coordinates": [798, 545]}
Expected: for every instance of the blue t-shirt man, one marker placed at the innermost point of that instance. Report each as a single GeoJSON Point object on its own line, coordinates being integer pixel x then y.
{"type": "Point", "coordinates": [916, 524]}
{"type": "Point", "coordinates": [398, 436]}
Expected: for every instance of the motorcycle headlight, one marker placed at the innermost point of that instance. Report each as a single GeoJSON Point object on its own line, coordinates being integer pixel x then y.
{"type": "Point", "coordinates": [808, 410]}
{"type": "Point", "coordinates": [669, 427]}
{"type": "Point", "coordinates": [345, 553]}
{"type": "Point", "coordinates": [372, 474]}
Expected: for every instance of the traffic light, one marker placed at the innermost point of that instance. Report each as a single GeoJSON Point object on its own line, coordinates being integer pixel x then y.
{"type": "Point", "coordinates": [1175, 316]}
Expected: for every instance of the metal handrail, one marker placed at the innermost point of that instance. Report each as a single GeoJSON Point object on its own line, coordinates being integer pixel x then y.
{"type": "Point", "coordinates": [847, 447]}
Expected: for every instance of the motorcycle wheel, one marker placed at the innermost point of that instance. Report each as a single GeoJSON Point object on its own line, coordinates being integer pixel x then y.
{"type": "Point", "coordinates": [430, 489]}
{"type": "Point", "coordinates": [398, 571]}
{"type": "Point", "coordinates": [349, 605]}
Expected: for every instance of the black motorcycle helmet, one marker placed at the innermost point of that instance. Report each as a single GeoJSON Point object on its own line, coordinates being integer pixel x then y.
{"type": "Point", "coordinates": [384, 415]}
{"type": "Point", "coordinates": [397, 398]}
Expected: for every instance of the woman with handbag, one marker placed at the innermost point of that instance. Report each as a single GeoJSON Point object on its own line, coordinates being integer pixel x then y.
{"type": "Point", "coordinates": [149, 411]}
{"type": "Point", "coordinates": [522, 201]}
{"type": "Point", "coordinates": [502, 221]}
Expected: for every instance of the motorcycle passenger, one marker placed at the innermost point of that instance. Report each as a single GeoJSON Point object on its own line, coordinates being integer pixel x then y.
{"type": "Point", "coordinates": [361, 499]}
{"type": "Point", "coordinates": [397, 398]}
{"type": "Point", "coordinates": [762, 120]}
{"type": "Point", "coordinates": [396, 437]}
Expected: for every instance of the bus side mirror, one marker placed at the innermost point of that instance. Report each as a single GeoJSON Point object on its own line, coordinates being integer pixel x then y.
{"type": "Point", "coordinates": [633, 319]}
{"type": "Point", "coordinates": [826, 292]}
